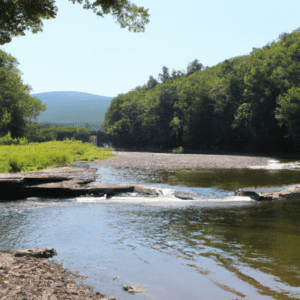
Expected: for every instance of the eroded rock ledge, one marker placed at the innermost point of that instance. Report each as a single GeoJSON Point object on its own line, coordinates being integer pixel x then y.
{"type": "Point", "coordinates": [64, 182]}
{"type": "Point", "coordinates": [282, 195]}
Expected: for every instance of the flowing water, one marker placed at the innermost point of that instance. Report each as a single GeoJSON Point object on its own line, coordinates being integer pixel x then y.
{"type": "Point", "coordinates": [217, 246]}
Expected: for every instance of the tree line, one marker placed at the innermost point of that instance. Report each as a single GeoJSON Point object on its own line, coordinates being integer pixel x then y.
{"type": "Point", "coordinates": [18, 108]}
{"type": "Point", "coordinates": [249, 102]}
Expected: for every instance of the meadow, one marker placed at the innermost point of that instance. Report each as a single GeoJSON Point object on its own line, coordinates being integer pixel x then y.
{"type": "Point", "coordinates": [40, 156]}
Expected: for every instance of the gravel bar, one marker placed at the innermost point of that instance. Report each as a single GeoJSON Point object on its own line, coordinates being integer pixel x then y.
{"type": "Point", "coordinates": [147, 160]}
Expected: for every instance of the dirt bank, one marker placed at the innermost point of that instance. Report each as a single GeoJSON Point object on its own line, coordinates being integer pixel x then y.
{"type": "Point", "coordinates": [147, 160]}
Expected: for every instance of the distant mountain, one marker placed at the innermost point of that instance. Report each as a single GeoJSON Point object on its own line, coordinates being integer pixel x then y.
{"type": "Point", "coordinates": [68, 97]}
{"type": "Point", "coordinates": [73, 108]}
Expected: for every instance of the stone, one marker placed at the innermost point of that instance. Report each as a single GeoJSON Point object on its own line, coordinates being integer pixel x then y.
{"type": "Point", "coordinates": [184, 195]}
{"type": "Point", "coordinates": [250, 194]}
{"type": "Point", "coordinates": [38, 252]}
{"type": "Point", "coordinates": [112, 298]}
{"type": "Point", "coordinates": [133, 289]}
{"type": "Point", "coordinates": [282, 195]}
{"type": "Point", "coordinates": [6, 261]}
{"type": "Point", "coordinates": [147, 191]}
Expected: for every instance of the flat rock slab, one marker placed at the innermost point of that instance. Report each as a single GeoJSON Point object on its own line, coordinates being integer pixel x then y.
{"type": "Point", "coordinates": [52, 175]}
{"type": "Point", "coordinates": [18, 186]}
{"type": "Point", "coordinates": [282, 195]}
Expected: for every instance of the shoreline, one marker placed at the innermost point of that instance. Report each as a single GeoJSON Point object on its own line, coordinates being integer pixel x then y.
{"type": "Point", "coordinates": [29, 277]}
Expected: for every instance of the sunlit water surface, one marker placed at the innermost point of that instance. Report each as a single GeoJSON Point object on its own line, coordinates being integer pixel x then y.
{"type": "Point", "coordinates": [207, 248]}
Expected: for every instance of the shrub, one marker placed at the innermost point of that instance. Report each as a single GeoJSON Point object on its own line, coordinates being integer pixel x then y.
{"type": "Point", "coordinates": [8, 140]}
{"type": "Point", "coordinates": [178, 150]}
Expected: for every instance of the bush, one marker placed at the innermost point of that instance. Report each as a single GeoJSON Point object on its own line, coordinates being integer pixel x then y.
{"type": "Point", "coordinates": [178, 150]}
{"type": "Point", "coordinates": [8, 140]}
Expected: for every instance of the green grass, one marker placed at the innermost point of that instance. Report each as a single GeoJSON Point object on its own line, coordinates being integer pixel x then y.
{"type": "Point", "coordinates": [41, 156]}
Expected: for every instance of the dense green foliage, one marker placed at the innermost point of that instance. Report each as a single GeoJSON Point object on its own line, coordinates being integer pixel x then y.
{"type": "Point", "coordinates": [8, 140]}
{"type": "Point", "coordinates": [23, 15]}
{"type": "Point", "coordinates": [17, 108]}
{"type": "Point", "coordinates": [40, 156]}
{"type": "Point", "coordinates": [250, 102]}
{"type": "Point", "coordinates": [49, 132]}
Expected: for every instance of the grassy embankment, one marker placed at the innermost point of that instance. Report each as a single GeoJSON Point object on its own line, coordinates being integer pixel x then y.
{"type": "Point", "coordinates": [41, 156]}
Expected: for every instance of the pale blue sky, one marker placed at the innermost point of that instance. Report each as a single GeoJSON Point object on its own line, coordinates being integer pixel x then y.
{"type": "Point", "coordinates": [79, 51]}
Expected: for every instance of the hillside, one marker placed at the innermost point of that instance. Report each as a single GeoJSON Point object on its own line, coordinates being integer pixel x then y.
{"type": "Point", "coordinates": [73, 108]}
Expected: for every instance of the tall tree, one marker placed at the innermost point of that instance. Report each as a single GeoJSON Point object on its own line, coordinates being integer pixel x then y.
{"type": "Point", "coordinates": [194, 66]}
{"type": "Point", "coordinates": [165, 75]}
{"type": "Point", "coordinates": [20, 15]}
{"type": "Point", "coordinates": [17, 108]}
{"type": "Point", "coordinates": [152, 83]}
{"type": "Point", "coordinates": [165, 111]}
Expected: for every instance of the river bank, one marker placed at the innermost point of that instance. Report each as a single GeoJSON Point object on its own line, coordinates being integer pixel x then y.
{"type": "Point", "coordinates": [29, 277]}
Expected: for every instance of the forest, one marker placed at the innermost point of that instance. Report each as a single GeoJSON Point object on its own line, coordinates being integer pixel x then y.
{"type": "Point", "coordinates": [249, 102]}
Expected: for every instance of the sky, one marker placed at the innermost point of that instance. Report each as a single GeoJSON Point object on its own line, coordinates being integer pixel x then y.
{"type": "Point", "coordinates": [79, 51]}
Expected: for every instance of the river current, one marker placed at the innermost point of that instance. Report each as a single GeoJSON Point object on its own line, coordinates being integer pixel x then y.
{"type": "Point", "coordinates": [217, 246]}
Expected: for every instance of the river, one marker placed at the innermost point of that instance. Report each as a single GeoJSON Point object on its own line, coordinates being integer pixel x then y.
{"type": "Point", "coordinates": [217, 246]}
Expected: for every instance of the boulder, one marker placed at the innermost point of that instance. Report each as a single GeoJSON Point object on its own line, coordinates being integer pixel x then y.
{"type": "Point", "coordinates": [38, 252]}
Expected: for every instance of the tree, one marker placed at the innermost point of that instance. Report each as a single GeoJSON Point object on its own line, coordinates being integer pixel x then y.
{"type": "Point", "coordinates": [152, 83]}
{"type": "Point", "coordinates": [175, 126]}
{"type": "Point", "coordinates": [165, 112]}
{"type": "Point", "coordinates": [17, 107]}
{"type": "Point", "coordinates": [21, 15]}
{"type": "Point", "coordinates": [88, 126]}
{"type": "Point", "coordinates": [288, 112]}
{"type": "Point", "coordinates": [193, 67]}
{"type": "Point", "coordinates": [165, 75]}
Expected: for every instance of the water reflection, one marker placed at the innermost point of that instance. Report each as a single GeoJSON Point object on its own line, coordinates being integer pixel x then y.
{"type": "Point", "coordinates": [257, 244]}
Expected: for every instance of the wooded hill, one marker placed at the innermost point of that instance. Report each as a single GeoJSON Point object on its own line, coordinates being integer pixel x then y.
{"type": "Point", "coordinates": [73, 108]}
{"type": "Point", "coordinates": [250, 102]}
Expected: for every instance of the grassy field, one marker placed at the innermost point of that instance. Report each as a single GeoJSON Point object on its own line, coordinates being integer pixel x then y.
{"type": "Point", "coordinates": [41, 156]}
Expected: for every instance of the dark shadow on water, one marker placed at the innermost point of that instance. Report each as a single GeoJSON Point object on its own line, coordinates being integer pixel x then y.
{"type": "Point", "coordinates": [234, 179]}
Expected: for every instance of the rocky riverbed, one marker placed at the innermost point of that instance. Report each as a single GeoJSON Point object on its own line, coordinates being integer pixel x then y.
{"type": "Point", "coordinates": [27, 274]}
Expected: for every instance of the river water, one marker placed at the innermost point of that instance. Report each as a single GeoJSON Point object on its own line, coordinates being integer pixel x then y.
{"type": "Point", "coordinates": [217, 246]}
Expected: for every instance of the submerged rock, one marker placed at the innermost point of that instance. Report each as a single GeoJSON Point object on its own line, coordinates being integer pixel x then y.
{"type": "Point", "coordinates": [133, 289]}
